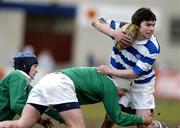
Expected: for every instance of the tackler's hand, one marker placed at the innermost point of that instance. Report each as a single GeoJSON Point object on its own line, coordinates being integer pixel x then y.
{"type": "Point", "coordinates": [46, 122]}
{"type": "Point", "coordinates": [147, 119]}
{"type": "Point", "coordinates": [104, 69]}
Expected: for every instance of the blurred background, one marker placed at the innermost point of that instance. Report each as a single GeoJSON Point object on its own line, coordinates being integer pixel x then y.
{"type": "Point", "coordinates": [59, 32]}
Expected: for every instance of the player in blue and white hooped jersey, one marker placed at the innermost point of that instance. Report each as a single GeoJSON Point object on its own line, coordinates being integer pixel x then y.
{"type": "Point", "coordinates": [136, 62]}
{"type": "Point", "coordinates": [140, 57]}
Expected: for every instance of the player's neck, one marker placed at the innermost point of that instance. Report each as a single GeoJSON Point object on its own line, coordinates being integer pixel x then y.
{"type": "Point", "coordinates": [141, 37]}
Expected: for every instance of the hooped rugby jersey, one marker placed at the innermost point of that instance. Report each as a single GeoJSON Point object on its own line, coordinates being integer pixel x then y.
{"type": "Point", "coordinates": [140, 56]}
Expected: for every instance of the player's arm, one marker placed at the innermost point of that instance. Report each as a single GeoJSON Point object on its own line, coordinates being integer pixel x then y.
{"type": "Point", "coordinates": [142, 66]}
{"type": "Point", "coordinates": [111, 28]}
{"type": "Point", "coordinates": [18, 93]}
{"type": "Point", "coordinates": [102, 26]}
{"type": "Point", "coordinates": [125, 73]}
{"type": "Point", "coordinates": [110, 101]}
{"type": "Point", "coordinates": [108, 123]}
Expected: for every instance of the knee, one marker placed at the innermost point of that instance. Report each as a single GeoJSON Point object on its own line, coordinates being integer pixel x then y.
{"type": "Point", "coordinates": [21, 124]}
{"type": "Point", "coordinates": [77, 125]}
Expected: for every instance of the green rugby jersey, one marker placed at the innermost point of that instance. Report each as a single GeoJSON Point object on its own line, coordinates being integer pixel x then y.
{"type": "Point", "coordinates": [14, 90]}
{"type": "Point", "coordinates": [93, 87]}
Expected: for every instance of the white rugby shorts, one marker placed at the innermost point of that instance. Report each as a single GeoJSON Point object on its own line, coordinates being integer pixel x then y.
{"type": "Point", "coordinates": [53, 89]}
{"type": "Point", "coordinates": [140, 96]}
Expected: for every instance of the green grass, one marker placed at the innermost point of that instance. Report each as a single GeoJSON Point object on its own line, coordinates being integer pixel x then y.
{"type": "Point", "coordinates": [169, 112]}
{"type": "Point", "coordinates": [166, 111]}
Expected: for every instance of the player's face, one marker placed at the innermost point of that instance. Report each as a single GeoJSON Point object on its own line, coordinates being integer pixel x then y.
{"type": "Point", "coordinates": [121, 92]}
{"type": "Point", "coordinates": [147, 29]}
{"type": "Point", "coordinates": [33, 71]}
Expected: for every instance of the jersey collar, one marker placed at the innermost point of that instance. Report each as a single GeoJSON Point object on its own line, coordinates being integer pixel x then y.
{"type": "Point", "coordinates": [143, 41]}
{"type": "Point", "coordinates": [28, 78]}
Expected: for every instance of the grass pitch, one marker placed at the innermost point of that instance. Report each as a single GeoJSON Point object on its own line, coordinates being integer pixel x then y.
{"type": "Point", "coordinates": [166, 111]}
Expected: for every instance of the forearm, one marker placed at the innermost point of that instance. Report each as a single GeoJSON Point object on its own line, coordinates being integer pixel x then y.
{"type": "Point", "coordinates": [113, 110]}
{"type": "Point", "coordinates": [126, 73]}
{"type": "Point", "coordinates": [102, 26]}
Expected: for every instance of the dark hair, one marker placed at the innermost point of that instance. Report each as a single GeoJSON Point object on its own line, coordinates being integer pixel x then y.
{"type": "Point", "coordinates": [142, 14]}
{"type": "Point", "coordinates": [24, 60]}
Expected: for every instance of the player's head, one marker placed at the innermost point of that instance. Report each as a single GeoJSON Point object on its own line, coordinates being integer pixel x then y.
{"type": "Point", "coordinates": [24, 61]}
{"type": "Point", "coordinates": [142, 14]}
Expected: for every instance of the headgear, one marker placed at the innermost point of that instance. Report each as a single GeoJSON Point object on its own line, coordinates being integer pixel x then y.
{"type": "Point", "coordinates": [24, 60]}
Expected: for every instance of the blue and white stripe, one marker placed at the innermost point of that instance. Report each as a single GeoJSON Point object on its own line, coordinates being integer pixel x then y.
{"type": "Point", "coordinates": [140, 56]}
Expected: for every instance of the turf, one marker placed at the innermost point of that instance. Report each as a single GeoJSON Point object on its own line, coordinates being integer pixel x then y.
{"type": "Point", "coordinates": [169, 112]}
{"type": "Point", "coordinates": [166, 111]}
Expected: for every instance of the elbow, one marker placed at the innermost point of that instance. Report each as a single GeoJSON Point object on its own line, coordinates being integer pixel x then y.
{"type": "Point", "coordinates": [14, 108]}
{"type": "Point", "coordinates": [97, 22]}
{"type": "Point", "coordinates": [17, 109]}
{"type": "Point", "coordinates": [94, 23]}
{"type": "Point", "coordinates": [135, 76]}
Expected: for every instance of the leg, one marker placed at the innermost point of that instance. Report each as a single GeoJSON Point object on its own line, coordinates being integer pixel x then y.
{"type": "Point", "coordinates": [143, 112]}
{"type": "Point", "coordinates": [154, 124]}
{"type": "Point", "coordinates": [73, 118]}
{"type": "Point", "coordinates": [142, 99]}
{"type": "Point", "coordinates": [157, 124]}
{"type": "Point", "coordinates": [28, 118]}
{"type": "Point", "coordinates": [71, 114]}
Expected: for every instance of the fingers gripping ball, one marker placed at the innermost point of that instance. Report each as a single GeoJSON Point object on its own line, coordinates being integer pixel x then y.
{"type": "Point", "coordinates": [131, 31]}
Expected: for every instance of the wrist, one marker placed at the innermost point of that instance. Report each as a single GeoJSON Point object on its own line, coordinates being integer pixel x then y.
{"type": "Point", "coordinates": [112, 33]}
{"type": "Point", "coordinates": [110, 72]}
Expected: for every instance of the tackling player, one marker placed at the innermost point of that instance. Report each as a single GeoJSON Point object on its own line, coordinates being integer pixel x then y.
{"type": "Point", "coordinates": [66, 90]}
{"type": "Point", "coordinates": [15, 87]}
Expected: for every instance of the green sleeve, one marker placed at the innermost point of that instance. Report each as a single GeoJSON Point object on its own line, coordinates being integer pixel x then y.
{"type": "Point", "coordinates": [112, 108]}
{"type": "Point", "coordinates": [18, 92]}
{"type": "Point", "coordinates": [55, 115]}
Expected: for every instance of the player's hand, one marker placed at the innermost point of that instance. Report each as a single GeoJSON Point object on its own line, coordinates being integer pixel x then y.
{"type": "Point", "coordinates": [122, 38]}
{"type": "Point", "coordinates": [104, 69]}
{"type": "Point", "coordinates": [147, 119]}
{"type": "Point", "coordinates": [107, 123]}
{"type": "Point", "coordinates": [46, 122]}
